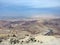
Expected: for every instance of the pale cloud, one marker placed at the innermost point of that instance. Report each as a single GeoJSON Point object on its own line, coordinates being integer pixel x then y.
{"type": "Point", "coordinates": [32, 3]}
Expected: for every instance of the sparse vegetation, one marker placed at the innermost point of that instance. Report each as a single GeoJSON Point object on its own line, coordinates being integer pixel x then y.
{"type": "Point", "coordinates": [24, 32]}
{"type": "Point", "coordinates": [27, 35]}
{"type": "Point", "coordinates": [32, 39]}
{"type": "Point", "coordinates": [1, 40]}
{"type": "Point", "coordinates": [14, 41]}
{"type": "Point", "coordinates": [22, 41]}
{"type": "Point", "coordinates": [14, 35]}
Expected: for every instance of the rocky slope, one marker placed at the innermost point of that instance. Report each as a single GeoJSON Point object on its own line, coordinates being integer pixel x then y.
{"type": "Point", "coordinates": [31, 25]}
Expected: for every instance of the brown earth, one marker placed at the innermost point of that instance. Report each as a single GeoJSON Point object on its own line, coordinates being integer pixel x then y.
{"type": "Point", "coordinates": [30, 26]}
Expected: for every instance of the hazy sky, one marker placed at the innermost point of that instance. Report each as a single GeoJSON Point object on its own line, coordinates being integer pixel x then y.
{"type": "Point", "coordinates": [29, 6]}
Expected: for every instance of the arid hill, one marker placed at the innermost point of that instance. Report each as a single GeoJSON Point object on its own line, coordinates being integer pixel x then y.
{"type": "Point", "coordinates": [34, 26]}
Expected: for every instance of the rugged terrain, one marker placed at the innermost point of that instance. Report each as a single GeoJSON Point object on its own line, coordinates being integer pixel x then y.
{"type": "Point", "coordinates": [33, 31]}
{"type": "Point", "coordinates": [34, 26]}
